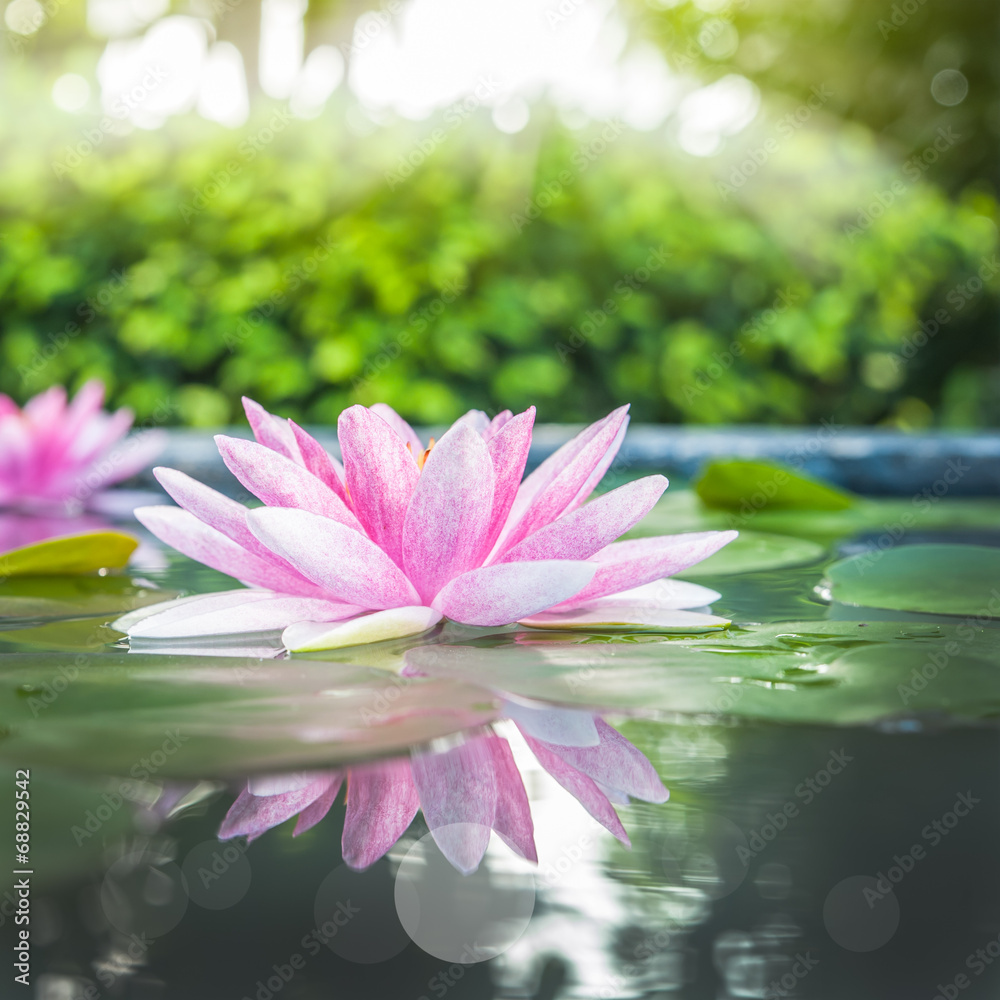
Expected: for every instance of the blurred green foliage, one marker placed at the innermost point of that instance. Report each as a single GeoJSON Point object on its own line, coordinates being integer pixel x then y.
{"type": "Point", "coordinates": [311, 268]}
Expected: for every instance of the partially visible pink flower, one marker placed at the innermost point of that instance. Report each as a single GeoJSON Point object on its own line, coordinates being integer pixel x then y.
{"type": "Point", "coordinates": [466, 790]}
{"type": "Point", "coordinates": [58, 455]}
{"type": "Point", "coordinates": [399, 535]}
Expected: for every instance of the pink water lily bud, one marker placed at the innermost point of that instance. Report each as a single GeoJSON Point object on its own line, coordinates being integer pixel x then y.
{"type": "Point", "coordinates": [409, 534]}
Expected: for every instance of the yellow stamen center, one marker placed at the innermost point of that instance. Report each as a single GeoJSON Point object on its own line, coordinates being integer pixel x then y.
{"type": "Point", "coordinates": [422, 457]}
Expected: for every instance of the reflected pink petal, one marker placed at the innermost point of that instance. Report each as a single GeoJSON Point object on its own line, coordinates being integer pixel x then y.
{"type": "Point", "coordinates": [381, 803]}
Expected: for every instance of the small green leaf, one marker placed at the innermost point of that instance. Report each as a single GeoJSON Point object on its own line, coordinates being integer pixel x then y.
{"type": "Point", "coordinates": [750, 486]}
{"type": "Point", "coordinates": [933, 579]}
{"type": "Point", "coordinates": [72, 554]}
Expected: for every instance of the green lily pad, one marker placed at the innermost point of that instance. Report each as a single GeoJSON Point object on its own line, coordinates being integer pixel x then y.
{"type": "Point", "coordinates": [798, 672]}
{"type": "Point", "coordinates": [681, 510]}
{"type": "Point", "coordinates": [71, 554]}
{"type": "Point", "coordinates": [748, 486]}
{"type": "Point", "coordinates": [33, 598]}
{"type": "Point", "coordinates": [215, 717]}
{"type": "Point", "coordinates": [935, 579]}
{"type": "Point", "coordinates": [754, 551]}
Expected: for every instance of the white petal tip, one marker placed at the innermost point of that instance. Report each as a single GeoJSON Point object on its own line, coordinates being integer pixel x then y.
{"type": "Point", "coordinates": [395, 623]}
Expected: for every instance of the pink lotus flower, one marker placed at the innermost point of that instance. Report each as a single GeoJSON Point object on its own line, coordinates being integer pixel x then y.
{"type": "Point", "coordinates": [465, 790]}
{"type": "Point", "coordinates": [399, 535]}
{"type": "Point", "coordinates": [60, 455]}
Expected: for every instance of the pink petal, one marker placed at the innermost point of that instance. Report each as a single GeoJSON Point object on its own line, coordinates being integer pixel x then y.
{"type": "Point", "coordinates": [496, 424]}
{"type": "Point", "coordinates": [135, 454]}
{"type": "Point", "coordinates": [582, 788]}
{"type": "Point", "coordinates": [513, 813]}
{"type": "Point", "coordinates": [347, 565]}
{"type": "Point", "coordinates": [444, 533]}
{"type": "Point", "coordinates": [319, 461]}
{"type": "Point", "coordinates": [592, 481]}
{"type": "Point", "coordinates": [86, 403]}
{"type": "Point", "coordinates": [381, 803]}
{"type": "Point", "coordinates": [229, 517]}
{"type": "Point", "coordinates": [98, 434]}
{"type": "Point", "coordinates": [458, 796]}
{"type": "Point", "coordinates": [279, 784]}
{"type": "Point", "coordinates": [271, 431]}
{"type": "Point", "coordinates": [280, 482]}
{"type": "Point", "coordinates": [313, 813]}
{"type": "Point", "coordinates": [184, 532]}
{"type": "Point", "coordinates": [590, 528]}
{"type": "Point", "coordinates": [615, 763]}
{"type": "Point", "coordinates": [380, 473]}
{"type": "Point", "coordinates": [277, 611]}
{"type": "Point", "coordinates": [400, 426]}
{"type": "Point", "coordinates": [623, 565]}
{"type": "Point", "coordinates": [252, 815]}
{"type": "Point", "coordinates": [475, 419]}
{"type": "Point", "coordinates": [508, 449]}
{"type": "Point", "coordinates": [566, 475]}
{"type": "Point", "coordinates": [499, 595]}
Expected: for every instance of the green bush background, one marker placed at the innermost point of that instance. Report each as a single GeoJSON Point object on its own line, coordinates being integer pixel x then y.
{"type": "Point", "coordinates": [187, 258]}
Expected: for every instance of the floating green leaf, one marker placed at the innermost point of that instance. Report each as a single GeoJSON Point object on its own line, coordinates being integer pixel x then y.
{"type": "Point", "coordinates": [70, 554]}
{"type": "Point", "coordinates": [934, 579]}
{"type": "Point", "coordinates": [38, 598]}
{"type": "Point", "coordinates": [754, 551]}
{"type": "Point", "coordinates": [217, 716]}
{"type": "Point", "coordinates": [748, 486]}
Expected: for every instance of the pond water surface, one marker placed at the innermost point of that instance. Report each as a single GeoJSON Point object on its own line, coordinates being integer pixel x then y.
{"type": "Point", "coordinates": [831, 832]}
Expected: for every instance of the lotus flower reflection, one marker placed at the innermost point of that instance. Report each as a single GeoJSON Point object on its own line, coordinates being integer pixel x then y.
{"type": "Point", "coordinates": [58, 455]}
{"type": "Point", "coordinates": [402, 534]}
{"type": "Point", "coordinates": [465, 790]}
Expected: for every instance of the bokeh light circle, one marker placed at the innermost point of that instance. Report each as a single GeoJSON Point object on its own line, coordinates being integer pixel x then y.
{"type": "Point", "coordinates": [860, 914]}
{"type": "Point", "coordinates": [458, 918]}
